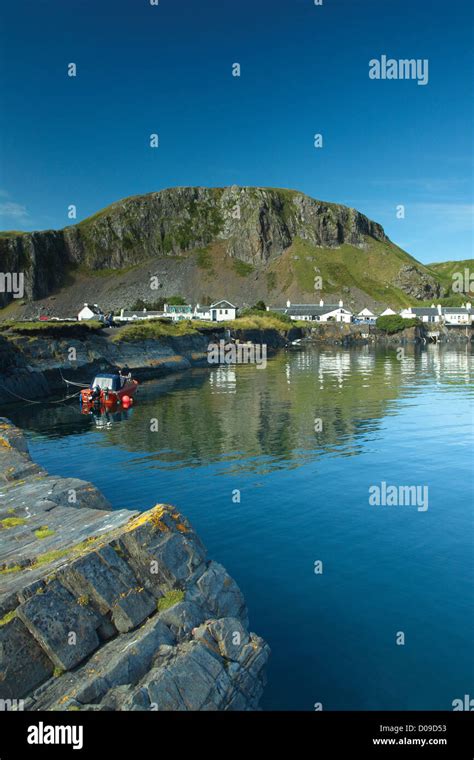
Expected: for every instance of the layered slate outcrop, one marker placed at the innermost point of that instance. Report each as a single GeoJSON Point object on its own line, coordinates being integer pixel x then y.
{"type": "Point", "coordinates": [113, 610]}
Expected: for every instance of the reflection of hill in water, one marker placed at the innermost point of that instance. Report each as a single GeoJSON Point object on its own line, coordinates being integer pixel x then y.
{"type": "Point", "coordinates": [233, 413]}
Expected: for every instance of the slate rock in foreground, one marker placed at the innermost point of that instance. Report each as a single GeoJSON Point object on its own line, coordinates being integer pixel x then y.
{"type": "Point", "coordinates": [113, 610]}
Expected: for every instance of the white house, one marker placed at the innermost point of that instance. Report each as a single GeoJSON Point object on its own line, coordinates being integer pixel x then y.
{"type": "Point", "coordinates": [366, 314]}
{"type": "Point", "coordinates": [202, 312]}
{"type": "Point", "coordinates": [176, 312]}
{"type": "Point", "coordinates": [366, 317]}
{"type": "Point", "coordinates": [90, 312]}
{"type": "Point", "coordinates": [221, 311]}
{"type": "Point", "coordinates": [131, 316]}
{"type": "Point", "coordinates": [459, 315]}
{"type": "Point", "coordinates": [388, 312]}
{"type": "Point", "coordinates": [423, 313]}
{"type": "Point", "coordinates": [321, 312]}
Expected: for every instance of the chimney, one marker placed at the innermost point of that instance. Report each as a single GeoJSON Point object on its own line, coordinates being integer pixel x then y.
{"type": "Point", "coordinates": [468, 305]}
{"type": "Point", "coordinates": [341, 303]}
{"type": "Point", "coordinates": [268, 308]}
{"type": "Point", "coordinates": [86, 304]}
{"type": "Point", "coordinates": [288, 304]}
{"type": "Point", "coordinates": [440, 309]}
{"type": "Point", "coordinates": [121, 312]}
{"type": "Point", "coordinates": [321, 303]}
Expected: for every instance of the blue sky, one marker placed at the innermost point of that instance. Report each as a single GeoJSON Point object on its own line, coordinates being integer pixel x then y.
{"type": "Point", "coordinates": [167, 69]}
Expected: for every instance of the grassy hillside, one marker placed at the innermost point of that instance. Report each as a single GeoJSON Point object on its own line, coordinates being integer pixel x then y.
{"type": "Point", "coordinates": [344, 271]}
{"type": "Point", "coordinates": [451, 273]}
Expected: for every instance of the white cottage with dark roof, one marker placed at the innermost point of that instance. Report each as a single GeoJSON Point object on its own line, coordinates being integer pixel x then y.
{"type": "Point", "coordinates": [458, 315]}
{"type": "Point", "coordinates": [321, 312]}
{"type": "Point", "coordinates": [220, 311]}
{"type": "Point", "coordinates": [423, 313]}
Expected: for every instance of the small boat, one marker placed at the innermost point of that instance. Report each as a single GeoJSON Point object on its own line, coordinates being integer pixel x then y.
{"type": "Point", "coordinates": [110, 390]}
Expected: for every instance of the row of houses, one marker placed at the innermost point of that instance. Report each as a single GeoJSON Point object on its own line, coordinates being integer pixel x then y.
{"type": "Point", "coordinates": [223, 311]}
{"type": "Point", "coordinates": [337, 312]}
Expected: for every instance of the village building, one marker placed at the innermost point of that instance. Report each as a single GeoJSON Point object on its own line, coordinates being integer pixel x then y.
{"type": "Point", "coordinates": [316, 312]}
{"type": "Point", "coordinates": [221, 311]}
{"type": "Point", "coordinates": [459, 315]}
{"type": "Point", "coordinates": [90, 311]}
{"type": "Point", "coordinates": [387, 312]}
{"type": "Point", "coordinates": [176, 312]}
{"type": "Point", "coordinates": [366, 317]}
{"type": "Point", "coordinates": [131, 316]}
{"type": "Point", "coordinates": [423, 313]}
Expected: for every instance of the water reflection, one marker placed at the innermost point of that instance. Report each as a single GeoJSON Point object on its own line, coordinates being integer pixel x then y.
{"type": "Point", "coordinates": [265, 417]}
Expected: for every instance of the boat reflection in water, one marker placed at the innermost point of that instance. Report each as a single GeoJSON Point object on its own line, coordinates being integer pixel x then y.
{"type": "Point", "coordinates": [106, 415]}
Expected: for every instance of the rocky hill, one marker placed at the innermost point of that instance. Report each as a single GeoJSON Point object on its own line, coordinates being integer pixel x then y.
{"type": "Point", "coordinates": [243, 243]}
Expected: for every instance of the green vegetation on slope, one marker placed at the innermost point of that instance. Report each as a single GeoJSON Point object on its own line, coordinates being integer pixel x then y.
{"type": "Point", "coordinates": [370, 270]}
{"type": "Point", "coordinates": [242, 268]}
{"type": "Point", "coordinates": [457, 276]}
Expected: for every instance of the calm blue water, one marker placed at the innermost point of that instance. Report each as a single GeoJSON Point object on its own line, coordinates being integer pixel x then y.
{"type": "Point", "coordinates": [303, 498]}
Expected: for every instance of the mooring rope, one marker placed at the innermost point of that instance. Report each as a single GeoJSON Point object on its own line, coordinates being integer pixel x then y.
{"type": "Point", "coordinates": [70, 382]}
{"type": "Point", "coordinates": [33, 401]}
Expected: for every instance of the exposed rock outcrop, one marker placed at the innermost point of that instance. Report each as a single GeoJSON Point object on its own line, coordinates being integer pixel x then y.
{"type": "Point", "coordinates": [416, 283]}
{"type": "Point", "coordinates": [113, 610]}
{"type": "Point", "coordinates": [34, 367]}
{"type": "Point", "coordinates": [248, 225]}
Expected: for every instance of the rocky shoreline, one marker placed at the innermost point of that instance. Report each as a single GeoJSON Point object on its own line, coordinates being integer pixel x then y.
{"type": "Point", "coordinates": [112, 610]}
{"type": "Point", "coordinates": [34, 367]}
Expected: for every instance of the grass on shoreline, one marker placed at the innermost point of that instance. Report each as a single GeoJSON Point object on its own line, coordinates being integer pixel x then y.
{"type": "Point", "coordinates": [153, 329]}
{"type": "Point", "coordinates": [49, 327]}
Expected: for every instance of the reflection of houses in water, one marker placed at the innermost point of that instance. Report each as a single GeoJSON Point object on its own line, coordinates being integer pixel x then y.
{"type": "Point", "coordinates": [336, 365]}
{"type": "Point", "coordinates": [450, 365]}
{"type": "Point", "coordinates": [365, 361]}
{"type": "Point", "coordinates": [407, 365]}
{"type": "Point", "coordinates": [304, 360]}
{"type": "Point", "coordinates": [223, 380]}
{"type": "Point", "coordinates": [388, 368]}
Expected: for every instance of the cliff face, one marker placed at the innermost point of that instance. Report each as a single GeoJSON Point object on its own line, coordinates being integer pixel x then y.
{"type": "Point", "coordinates": [252, 225]}
{"type": "Point", "coordinates": [113, 610]}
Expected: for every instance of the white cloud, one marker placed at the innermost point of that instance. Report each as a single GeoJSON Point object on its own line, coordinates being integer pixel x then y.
{"type": "Point", "coordinates": [13, 210]}
{"type": "Point", "coordinates": [458, 215]}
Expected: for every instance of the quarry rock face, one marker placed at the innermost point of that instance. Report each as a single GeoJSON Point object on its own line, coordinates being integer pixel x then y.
{"type": "Point", "coordinates": [113, 610]}
{"type": "Point", "coordinates": [417, 284]}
